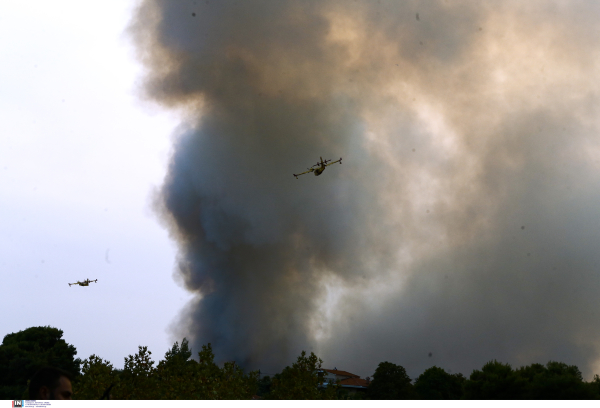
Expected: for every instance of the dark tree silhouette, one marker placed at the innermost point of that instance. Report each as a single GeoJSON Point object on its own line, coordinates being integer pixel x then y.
{"type": "Point", "coordinates": [25, 352]}
{"type": "Point", "coordinates": [390, 382]}
{"type": "Point", "coordinates": [494, 381]}
{"type": "Point", "coordinates": [555, 381]}
{"type": "Point", "coordinates": [302, 381]}
{"type": "Point", "coordinates": [436, 383]}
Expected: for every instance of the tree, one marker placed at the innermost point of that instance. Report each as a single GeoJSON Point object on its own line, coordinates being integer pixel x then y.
{"type": "Point", "coordinates": [98, 376]}
{"type": "Point", "coordinates": [555, 381]}
{"type": "Point", "coordinates": [23, 353]}
{"type": "Point", "coordinates": [302, 381]}
{"type": "Point", "coordinates": [436, 384]}
{"type": "Point", "coordinates": [179, 354]}
{"type": "Point", "coordinates": [230, 382]}
{"type": "Point", "coordinates": [390, 382]}
{"type": "Point", "coordinates": [264, 386]}
{"type": "Point", "coordinates": [594, 387]}
{"type": "Point", "coordinates": [177, 372]}
{"type": "Point", "coordinates": [138, 380]}
{"type": "Point", "coordinates": [494, 381]}
{"type": "Point", "coordinates": [175, 377]}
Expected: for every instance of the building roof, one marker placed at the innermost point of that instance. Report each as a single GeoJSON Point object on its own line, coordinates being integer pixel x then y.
{"type": "Point", "coordinates": [341, 373]}
{"type": "Point", "coordinates": [355, 382]}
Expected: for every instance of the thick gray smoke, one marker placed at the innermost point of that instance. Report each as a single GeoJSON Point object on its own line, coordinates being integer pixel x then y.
{"type": "Point", "coordinates": [464, 221]}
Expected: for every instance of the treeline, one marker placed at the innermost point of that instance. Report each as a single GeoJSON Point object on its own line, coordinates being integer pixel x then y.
{"type": "Point", "coordinates": [495, 381]}
{"type": "Point", "coordinates": [178, 376]}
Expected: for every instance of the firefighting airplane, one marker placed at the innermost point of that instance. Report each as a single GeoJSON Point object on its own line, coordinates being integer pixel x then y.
{"type": "Point", "coordinates": [84, 283]}
{"type": "Point", "coordinates": [319, 167]}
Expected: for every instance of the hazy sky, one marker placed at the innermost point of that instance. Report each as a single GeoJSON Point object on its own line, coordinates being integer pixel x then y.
{"type": "Point", "coordinates": [462, 226]}
{"type": "Point", "coordinates": [79, 158]}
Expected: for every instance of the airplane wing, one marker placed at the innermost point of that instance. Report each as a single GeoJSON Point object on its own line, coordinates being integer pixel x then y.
{"type": "Point", "coordinates": [340, 160]}
{"type": "Point", "coordinates": [307, 171]}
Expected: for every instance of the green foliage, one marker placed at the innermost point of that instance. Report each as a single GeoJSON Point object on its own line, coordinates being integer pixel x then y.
{"type": "Point", "coordinates": [177, 353]}
{"type": "Point", "coordinates": [25, 352]}
{"type": "Point", "coordinates": [175, 369]}
{"type": "Point", "coordinates": [494, 381]}
{"type": "Point", "coordinates": [264, 387]}
{"type": "Point", "coordinates": [178, 376]}
{"type": "Point", "coordinates": [302, 381]}
{"type": "Point", "coordinates": [97, 376]}
{"type": "Point", "coordinates": [594, 387]}
{"type": "Point", "coordinates": [555, 381]}
{"type": "Point", "coordinates": [138, 381]}
{"type": "Point", "coordinates": [436, 384]}
{"type": "Point", "coordinates": [361, 395]}
{"type": "Point", "coordinates": [390, 382]}
{"type": "Point", "coordinates": [175, 377]}
{"type": "Point", "coordinates": [230, 382]}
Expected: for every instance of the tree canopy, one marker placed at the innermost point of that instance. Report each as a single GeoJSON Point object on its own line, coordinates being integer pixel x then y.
{"type": "Point", "coordinates": [436, 384]}
{"type": "Point", "coordinates": [494, 381]}
{"type": "Point", "coordinates": [553, 381]}
{"type": "Point", "coordinates": [25, 352]}
{"type": "Point", "coordinates": [390, 382]}
{"type": "Point", "coordinates": [179, 376]}
{"type": "Point", "coordinates": [302, 381]}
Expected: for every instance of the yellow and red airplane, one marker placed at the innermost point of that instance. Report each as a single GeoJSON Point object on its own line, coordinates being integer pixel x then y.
{"type": "Point", "coordinates": [84, 283]}
{"type": "Point", "coordinates": [319, 167]}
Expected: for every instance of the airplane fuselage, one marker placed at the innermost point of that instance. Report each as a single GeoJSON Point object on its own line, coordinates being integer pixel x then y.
{"type": "Point", "coordinates": [319, 171]}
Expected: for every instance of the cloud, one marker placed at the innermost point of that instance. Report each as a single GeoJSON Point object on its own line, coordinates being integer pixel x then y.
{"type": "Point", "coordinates": [456, 130]}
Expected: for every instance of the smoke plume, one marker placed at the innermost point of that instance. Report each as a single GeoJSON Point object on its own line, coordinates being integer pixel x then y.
{"type": "Point", "coordinates": [464, 222]}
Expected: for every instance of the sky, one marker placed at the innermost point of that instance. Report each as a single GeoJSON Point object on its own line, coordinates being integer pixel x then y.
{"type": "Point", "coordinates": [463, 225]}
{"type": "Point", "coordinates": [79, 159]}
